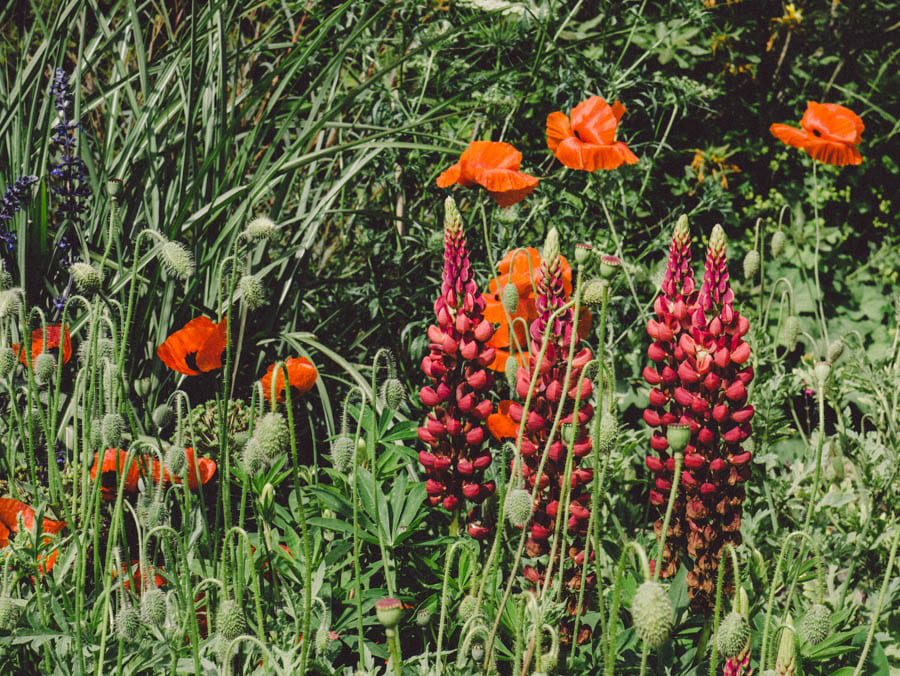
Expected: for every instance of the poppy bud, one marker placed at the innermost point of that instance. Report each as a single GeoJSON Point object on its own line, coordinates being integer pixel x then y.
{"type": "Point", "coordinates": [815, 626]}
{"type": "Point", "coordinates": [394, 393]}
{"type": "Point", "coordinates": [252, 292]}
{"type": "Point", "coordinates": [678, 436]}
{"type": "Point", "coordinates": [790, 331]}
{"type": "Point", "coordinates": [609, 266]}
{"type": "Point", "coordinates": [751, 264]}
{"type": "Point", "coordinates": [87, 278]}
{"type": "Point", "coordinates": [519, 507]}
{"type": "Point", "coordinates": [230, 622]}
{"type": "Point", "coordinates": [6, 280]}
{"type": "Point", "coordinates": [777, 243]}
{"type": "Point", "coordinates": [7, 362]}
{"type": "Point", "coordinates": [389, 612]}
{"type": "Point", "coordinates": [128, 623]}
{"type": "Point", "coordinates": [343, 453]}
{"type": "Point", "coordinates": [261, 228]}
{"type": "Point", "coordinates": [44, 368]}
{"type": "Point", "coordinates": [153, 607]}
{"type": "Point", "coordinates": [273, 435]}
{"type": "Point", "coordinates": [111, 429]}
{"type": "Point", "coordinates": [607, 429]}
{"type": "Point", "coordinates": [785, 659]}
{"type": "Point", "coordinates": [162, 415]}
{"type": "Point", "coordinates": [10, 302]}
{"type": "Point", "coordinates": [652, 613]}
{"type": "Point", "coordinates": [322, 639]}
{"type": "Point", "coordinates": [835, 350]}
{"type": "Point", "coordinates": [583, 253]}
{"type": "Point", "coordinates": [9, 613]}
{"type": "Point", "coordinates": [593, 292]}
{"type": "Point", "coordinates": [823, 370]}
{"type": "Point", "coordinates": [510, 370]}
{"type": "Point", "coordinates": [510, 298]}
{"type": "Point", "coordinates": [468, 608]}
{"type": "Point", "coordinates": [177, 260]}
{"type": "Point", "coordinates": [733, 634]}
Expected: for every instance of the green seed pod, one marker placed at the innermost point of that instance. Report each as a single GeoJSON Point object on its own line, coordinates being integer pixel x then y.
{"type": "Point", "coordinates": [177, 260]}
{"type": "Point", "coordinates": [815, 626]}
{"type": "Point", "coordinates": [777, 244]}
{"type": "Point", "coordinates": [733, 634]}
{"type": "Point", "coordinates": [389, 612]}
{"type": "Point", "coordinates": [823, 371]}
{"type": "Point", "coordinates": [230, 622]}
{"type": "Point", "coordinates": [510, 298]}
{"type": "Point", "coordinates": [468, 608]}
{"type": "Point", "coordinates": [423, 616]}
{"type": "Point", "coordinates": [128, 623]}
{"type": "Point", "coordinates": [790, 331]}
{"type": "Point", "coordinates": [518, 507]}
{"type": "Point", "coordinates": [343, 453]}
{"type": "Point", "coordinates": [153, 607]}
{"type": "Point", "coordinates": [751, 264]}
{"type": "Point", "coordinates": [252, 291]}
{"type": "Point", "coordinates": [510, 370]}
{"type": "Point", "coordinates": [594, 290]}
{"type": "Point", "coordinates": [583, 253]}
{"type": "Point", "coordinates": [261, 228]}
{"type": "Point", "coordinates": [111, 430]}
{"type": "Point", "coordinates": [678, 436]}
{"type": "Point", "coordinates": [607, 431]}
{"type": "Point", "coordinates": [477, 652]}
{"type": "Point", "coordinates": [609, 266]}
{"type": "Point", "coordinates": [44, 368]}
{"type": "Point", "coordinates": [393, 393]}
{"type": "Point", "coordinates": [87, 278]}
{"type": "Point", "coordinates": [7, 362]}
{"type": "Point", "coordinates": [652, 613]}
{"type": "Point", "coordinates": [273, 435]}
{"type": "Point", "coordinates": [9, 614]}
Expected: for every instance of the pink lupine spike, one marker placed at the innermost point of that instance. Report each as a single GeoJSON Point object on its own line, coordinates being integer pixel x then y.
{"type": "Point", "coordinates": [454, 431]}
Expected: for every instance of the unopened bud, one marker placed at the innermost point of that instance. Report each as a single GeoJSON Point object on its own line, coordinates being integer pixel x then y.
{"type": "Point", "coordinates": [510, 369]}
{"type": "Point", "coordinates": [835, 350]}
{"type": "Point", "coordinates": [519, 507]}
{"type": "Point", "coordinates": [44, 368]}
{"type": "Point", "coordinates": [252, 291]}
{"type": "Point", "coordinates": [394, 393]}
{"type": "Point", "coordinates": [790, 332]}
{"type": "Point", "coordinates": [785, 659]}
{"type": "Point", "coordinates": [510, 298]}
{"type": "Point", "coordinates": [468, 607]}
{"type": "Point", "coordinates": [815, 626]}
{"type": "Point", "coordinates": [823, 370]}
{"type": "Point", "coordinates": [162, 415]}
{"type": "Point", "coordinates": [261, 228]}
{"type": "Point", "coordinates": [751, 264]}
{"type": "Point", "coordinates": [777, 244]}
{"type": "Point", "coordinates": [87, 278]}
{"type": "Point", "coordinates": [10, 302]}
{"type": "Point", "coordinates": [652, 613]}
{"type": "Point", "coordinates": [551, 247]}
{"type": "Point", "coordinates": [177, 260]}
{"type": "Point", "coordinates": [733, 634]}
{"type": "Point", "coordinates": [7, 362]}
{"type": "Point", "coordinates": [111, 429]}
{"type": "Point", "coordinates": [607, 431]}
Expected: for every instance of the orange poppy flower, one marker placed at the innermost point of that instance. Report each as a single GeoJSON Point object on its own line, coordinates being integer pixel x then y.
{"type": "Point", "coordinates": [114, 462]}
{"type": "Point", "coordinates": [302, 376]}
{"type": "Point", "coordinates": [586, 139]}
{"type": "Point", "coordinates": [204, 467]}
{"type": "Point", "coordinates": [137, 578]}
{"type": "Point", "coordinates": [9, 524]}
{"type": "Point", "coordinates": [196, 347]}
{"type": "Point", "coordinates": [500, 424]}
{"type": "Point", "coordinates": [494, 166]}
{"type": "Point", "coordinates": [828, 133]}
{"type": "Point", "coordinates": [56, 334]}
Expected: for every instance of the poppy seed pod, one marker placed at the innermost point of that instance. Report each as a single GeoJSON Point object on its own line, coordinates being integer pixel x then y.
{"type": "Point", "coordinates": [518, 507]}
{"type": "Point", "coordinates": [652, 613]}
{"type": "Point", "coordinates": [583, 253]}
{"type": "Point", "coordinates": [252, 291]}
{"type": "Point", "coordinates": [87, 278]}
{"type": "Point", "coordinates": [273, 435]}
{"type": "Point", "coordinates": [261, 228]}
{"type": "Point", "coordinates": [815, 626]}
{"type": "Point", "coordinates": [394, 393]}
{"type": "Point", "coordinates": [44, 368]}
{"type": "Point", "coordinates": [678, 436]}
{"type": "Point", "coordinates": [153, 607]}
{"type": "Point", "coordinates": [389, 612]}
{"type": "Point", "coordinates": [609, 266]}
{"type": "Point", "coordinates": [7, 362]}
{"type": "Point", "coordinates": [111, 429]}
{"type": "Point", "coordinates": [510, 298]}
{"type": "Point", "coordinates": [733, 635]}
{"type": "Point", "coordinates": [468, 608]}
{"type": "Point", "coordinates": [751, 264]}
{"type": "Point", "coordinates": [177, 260]}
{"type": "Point", "coordinates": [230, 622]}
{"type": "Point", "coordinates": [424, 615]}
{"type": "Point", "coordinates": [779, 239]}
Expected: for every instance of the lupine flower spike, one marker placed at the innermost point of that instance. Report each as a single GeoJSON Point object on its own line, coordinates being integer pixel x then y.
{"type": "Point", "coordinates": [700, 379]}
{"type": "Point", "coordinates": [551, 295]}
{"type": "Point", "coordinates": [458, 355]}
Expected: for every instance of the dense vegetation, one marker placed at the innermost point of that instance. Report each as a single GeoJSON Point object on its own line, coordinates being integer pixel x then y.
{"type": "Point", "coordinates": [235, 415]}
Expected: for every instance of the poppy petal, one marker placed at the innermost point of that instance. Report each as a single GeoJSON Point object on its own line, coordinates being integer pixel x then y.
{"type": "Point", "coordinates": [833, 121]}
{"type": "Point", "coordinates": [568, 152]}
{"type": "Point", "coordinates": [594, 121]}
{"type": "Point", "coordinates": [798, 138]}
{"type": "Point", "coordinates": [491, 154]}
{"type": "Point", "coordinates": [450, 176]}
{"type": "Point", "coordinates": [558, 129]}
{"type": "Point", "coordinates": [500, 424]}
{"type": "Point", "coordinates": [209, 356]}
{"type": "Point", "coordinates": [834, 153]}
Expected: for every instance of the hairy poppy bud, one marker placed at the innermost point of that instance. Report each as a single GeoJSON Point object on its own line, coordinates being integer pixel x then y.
{"type": "Point", "coordinates": [583, 253]}
{"type": "Point", "coordinates": [261, 228]}
{"type": "Point", "coordinates": [652, 613]}
{"type": "Point", "coordinates": [111, 429]}
{"type": "Point", "coordinates": [162, 415]}
{"type": "Point", "coordinates": [252, 292]}
{"type": "Point", "coordinates": [128, 623]}
{"type": "Point", "coordinates": [751, 264]}
{"type": "Point", "coordinates": [594, 290]}
{"type": "Point", "coordinates": [9, 613]}
{"type": "Point", "coordinates": [607, 431]}
{"type": "Point", "coordinates": [44, 368]}
{"type": "Point", "coordinates": [785, 662]}
{"type": "Point", "coordinates": [230, 622]}
{"type": "Point", "coordinates": [177, 260]}
{"type": "Point", "coordinates": [254, 457]}
{"type": "Point", "coordinates": [96, 433]}
{"type": "Point", "coordinates": [519, 507]}
{"type": "Point", "coordinates": [477, 652]}
{"type": "Point", "coordinates": [153, 607]}
{"type": "Point", "coordinates": [394, 393]}
{"type": "Point", "coordinates": [389, 612]}
{"type": "Point", "coordinates": [835, 350]}
{"type": "Point", "coordinates": [468, 607]}
{"type": "Point", "coordinates": [10, 302]}
{"type": "Point", "coordinates": [322, 640]}
{"type": "Point", "coordinates": [87, 278]}
{"type": "Point", "coordinates": [823, 370]}
{"type": "Point", "coordinates": [6, 280]}
{"type": "Point", "coordinates": [273, 435]}
{"type": "Point", "coordinates": [790, 331]}
{"type": "Point", "coordinates": [678, 436]}
{"type": "Point", "coordinates": [7, 362]}
{"type": "Point", "coordinates": [343, 453]}
{"type": "Point", "coordinates": [510, 369]}
{"type": "Point", "coordinates": [609, 266]}
{"type": "Point", "coordinates": [733, 634]}
{"type": "Point", "coordinates": [267, 498]}
{"type": "Point", "coordinates": [510, 298]}
{"type": "Point", "coordinates": [815, 626]}
{"type": "Point", "coordinates": [778, 241]}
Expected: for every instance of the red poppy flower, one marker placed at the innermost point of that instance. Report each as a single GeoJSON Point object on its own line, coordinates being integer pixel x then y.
{"type": "Point", "coordinates": [137, 577]}
{"type": "Point", "coordinates": [302, 376]}
{"type": "Point", "coordinates": [204, 467]}
{"type": "Point", "coordinates": [114, 461]}
{"type": "Point", "coordinates": [494, 166]}
{"type": "Point", "coordinates": [586, 140]}
{"type": "Point", "coordinates": [500, 424]}
{"type": "Point", "coordinates": [9, 524]}
{"type": "Point", "coordinates": [195, 348]}
{"type": "Point", "coordinates": [56, 334]}
{"type": "Point", "coordinates": [829, 133]}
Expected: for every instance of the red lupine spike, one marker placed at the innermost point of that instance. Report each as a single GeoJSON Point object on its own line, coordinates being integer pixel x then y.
{"type": "Point", "coordinates": [455, 430]}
